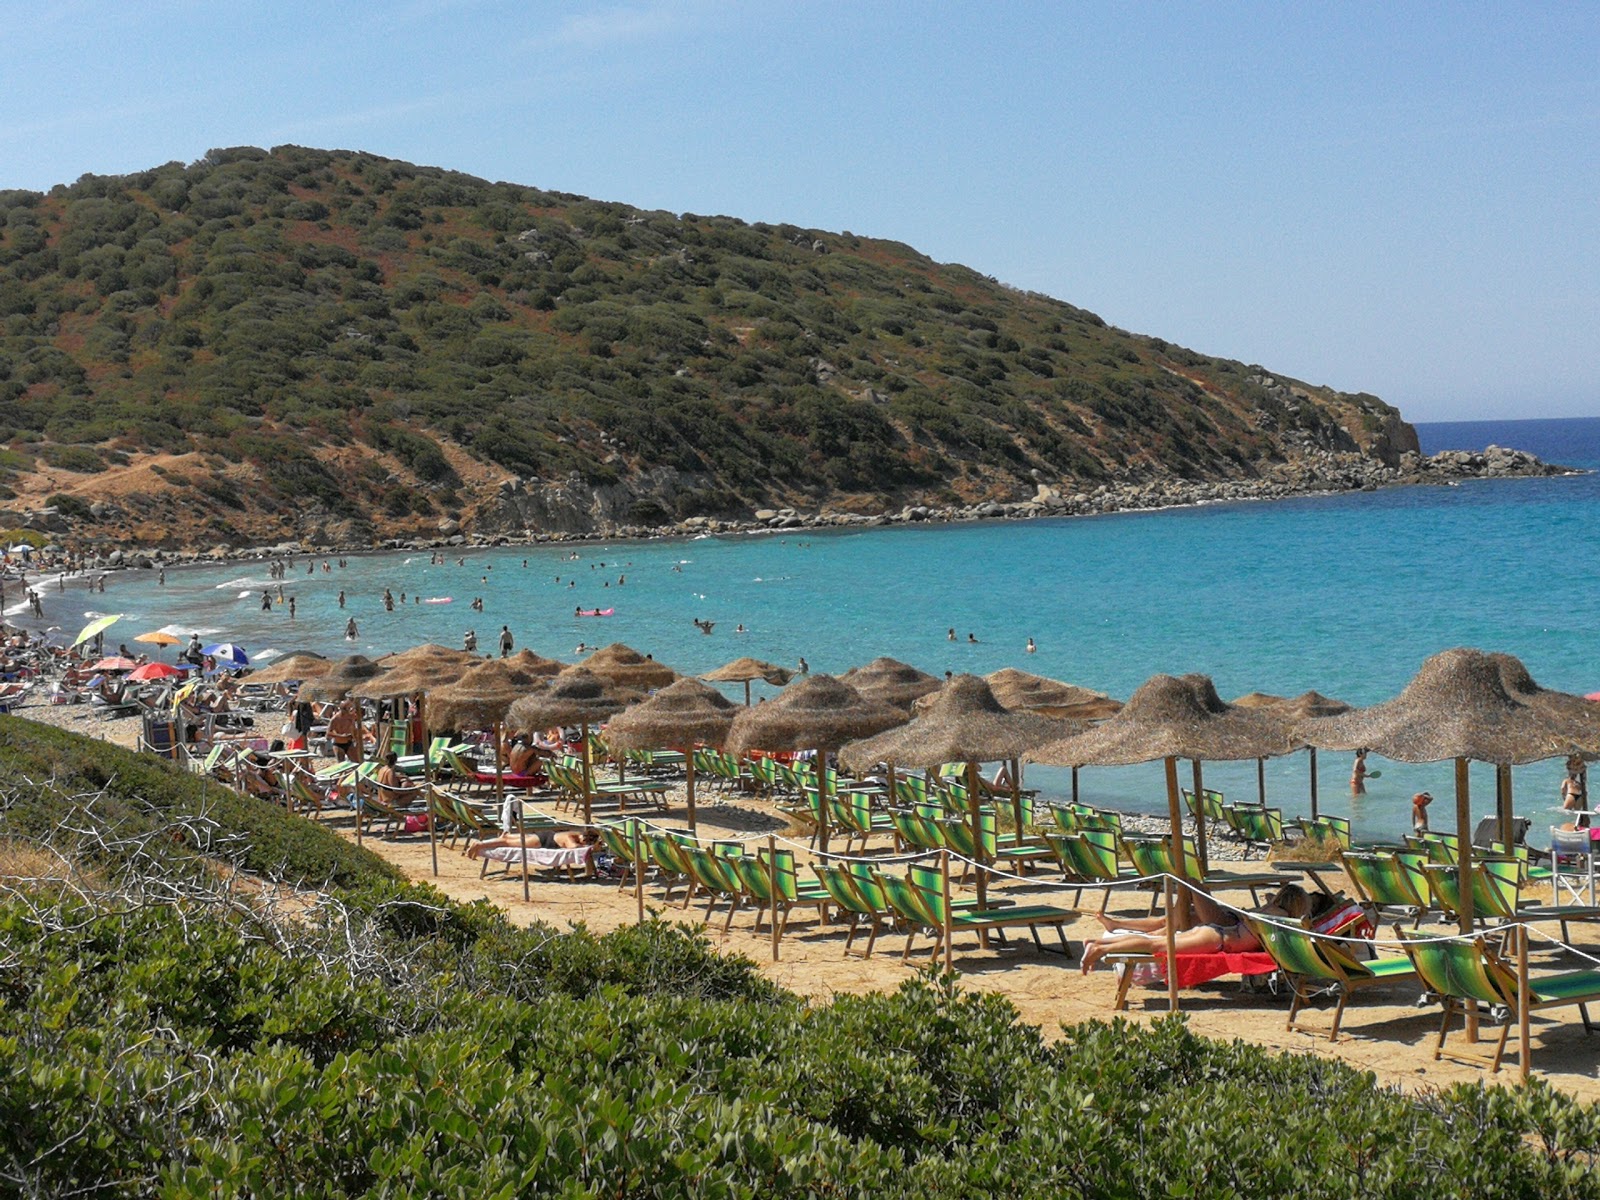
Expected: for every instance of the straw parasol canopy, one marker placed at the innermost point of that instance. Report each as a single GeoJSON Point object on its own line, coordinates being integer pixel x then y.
{"type": "Point", "coordinates": [336, 682]}
{"type": "Point", "coordinates": [746, 671]}
{"type": "Point", "coordinates": [481, 696]}
{"type": "Point", "coordinates": [535, 664]}
{"type": "Point", "coordinates": [577, 696]}
{"type": "Point", "coordinates": [1173, 717]}
{"type": "Point", "coordinates": [962, 722]}
{"type": "Point", "coordinates": [1574, 717]}
{"type": "Point", "coordinates": [429, 654]}
{"type": "Point", "coordinates": [1259, 700]}
{"type": "Point", "coordinates": [1019, 690]}
{"type": "Point", "coordinates": [1459, 706]}
{"type": "Point", "coordinates": [1307, 705]}
{"type": "Point", "coordinates": [625, 665]}
{"type": "Point", "coordinates": [680, 716]}
{"type": "Point", "coordinates": [420, 669]}
{"type": "Point", "coordinates": [302, 664]}
{"type": "Point", "coordinates": [818, 713]}
{"type": "Point", "coordinates": [892, 682]}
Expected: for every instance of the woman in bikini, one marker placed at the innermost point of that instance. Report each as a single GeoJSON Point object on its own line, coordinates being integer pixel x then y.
{"type": "Point", "coordinates": [1212, 928]}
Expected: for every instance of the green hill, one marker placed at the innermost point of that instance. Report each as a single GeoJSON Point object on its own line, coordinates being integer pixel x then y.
{"type": "Point", "coordinates": [374, 346]}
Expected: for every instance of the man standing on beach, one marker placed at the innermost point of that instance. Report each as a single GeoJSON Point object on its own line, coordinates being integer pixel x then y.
{"type": "Point", "coordinates": [505, 641]}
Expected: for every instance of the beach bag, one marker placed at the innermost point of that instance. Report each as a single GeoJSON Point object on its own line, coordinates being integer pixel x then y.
{"type": "Point", "coordinates": [417, 823]}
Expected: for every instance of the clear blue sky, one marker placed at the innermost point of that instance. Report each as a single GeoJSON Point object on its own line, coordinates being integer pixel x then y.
{"type": "Point", "coordinates": [1402, 199]}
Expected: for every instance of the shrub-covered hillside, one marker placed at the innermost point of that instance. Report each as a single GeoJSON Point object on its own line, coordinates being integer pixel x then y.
{"type": "Point", "coordinates": [377, 342]}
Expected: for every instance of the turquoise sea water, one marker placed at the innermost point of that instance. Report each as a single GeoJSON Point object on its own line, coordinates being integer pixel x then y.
{"type": "Point", "coordinates": [1345, 594]}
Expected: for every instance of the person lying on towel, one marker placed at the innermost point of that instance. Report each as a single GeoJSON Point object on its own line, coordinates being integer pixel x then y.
{"type": "Point", "coordinates": [566, 839]}
{"type": "Point", "coordinates": [1211, 928]}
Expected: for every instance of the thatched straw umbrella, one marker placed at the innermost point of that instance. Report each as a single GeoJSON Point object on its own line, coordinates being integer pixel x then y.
{"type": "Point", "coordinates": [819, 713]}
{"type": "Point", "coordinates": [680, 716]}
{"type": "Point", "coordinates": [535, 664]}
{"type": "Point", "coordinates": [746, 671]}
{"type": "Point", "coordinates": [480, 699]}
{"type": "Point", "coordinates": [1020, 690]}
{"type": "Point", "coordinates": [624, 665]}
{"type": "Point", "coordinates": [335, 683]}
{"type": "Point", "coordinates": [293, 668]}
{"type": "Point", "coordinates": [578, 697]}
{"type": "Point", "coordinates": [1301, 708]}
{"type": "Point", "coordinates": [429, 654]}
{"type": "Point", "coordinates": [1458, 706]}
{"type": "Point", "coordinates": [891, 681]}
{"type": "Point", "coordinates": [1172, 718]}
{"type": "Point", "coordinates": [963, 723]}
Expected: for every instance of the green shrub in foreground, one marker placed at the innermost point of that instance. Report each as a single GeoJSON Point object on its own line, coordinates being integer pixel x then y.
{"type": "Point", "coordinates": [156, 1053]}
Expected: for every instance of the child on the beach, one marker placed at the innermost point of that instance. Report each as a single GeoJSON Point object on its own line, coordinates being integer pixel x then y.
{"type": "Point", "coordinates": [1419, 811]}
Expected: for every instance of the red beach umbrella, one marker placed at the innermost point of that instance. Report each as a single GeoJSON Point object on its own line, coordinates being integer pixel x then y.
{"type": "Point", "coordinates": [154, 670]}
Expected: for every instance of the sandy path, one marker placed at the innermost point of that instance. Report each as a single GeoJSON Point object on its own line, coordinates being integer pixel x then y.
{"type": "Point", "coordinates": [1384, 1030]}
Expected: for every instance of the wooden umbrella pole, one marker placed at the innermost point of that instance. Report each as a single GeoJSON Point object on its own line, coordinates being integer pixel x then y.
{"type": "Point", "coordinates": [1200, 817]}
{"type": "Point", "coordinates": [638, 872]}
{"type": "Point", "coordinates": [1074, 785]}
{"type": "Point", "coordinates": [1504, 814]}
{"type": "Point", "coordinates": [1016, 801]}
{"type": "Point", "coordinates": [820, 775]}
{"type": "Point", "coordinates": [976, 818]}
{"type": "Point", "coordinates": [1524, 1034]}
{"type": "Point", "coordinates": [588, 776]}
{"type": "Point", "coordinates": [747, 693]}
{"type": "Point", "coordinates": [1464, 871]}
{"type": "Point", "coordinates": [427, 790]}
{"type": "Point", "coordinates": [772, 883]}
{"type": "Point", "coordinates": [1175, 813]}
{"type": "Point", "coordinates": [1172, 937]}
{"type": "Point", "coordinates": [944, 864]}
{"type": "Point", "coordinates": [1313, 783]}
{"type": "Point", "coordinates": [1261, 781]}
{"type": "Point", "coordinates": [688, 773]}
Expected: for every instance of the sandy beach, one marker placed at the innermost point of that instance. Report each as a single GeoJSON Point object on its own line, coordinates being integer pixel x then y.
{"type": "Point", "coordinates": [1384, 1030]}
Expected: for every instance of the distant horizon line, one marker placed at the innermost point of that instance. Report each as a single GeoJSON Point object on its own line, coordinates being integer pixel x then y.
{"type": "Point", "coordinates": [1505, 420]}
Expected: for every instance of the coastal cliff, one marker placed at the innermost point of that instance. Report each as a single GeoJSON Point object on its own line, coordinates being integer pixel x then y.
{"type": "Point", "coordinates": [332, 348]}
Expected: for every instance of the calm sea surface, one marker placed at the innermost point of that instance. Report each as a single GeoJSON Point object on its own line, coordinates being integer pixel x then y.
{"type": "Point", "coordinates": [1345, 594]}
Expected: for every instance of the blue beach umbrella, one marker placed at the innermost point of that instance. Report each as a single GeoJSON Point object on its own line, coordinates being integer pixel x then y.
{"type": "Point", "coordinates": [227, 654]}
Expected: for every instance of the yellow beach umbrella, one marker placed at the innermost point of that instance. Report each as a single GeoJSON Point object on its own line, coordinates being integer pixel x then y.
{"type": "Point", "coordinates": [98, 625]}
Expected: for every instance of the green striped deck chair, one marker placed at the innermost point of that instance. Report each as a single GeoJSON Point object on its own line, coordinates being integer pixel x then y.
{"type": "Point", "coordinates": [864, 908]}
{"type": "Point", "coordinates": [1090, 858]}
{"type": "Point", "coordinates": [1212, 801]}
{"type": "Point", "coordinates": [758, 875]}
{"type": "Point", "coordinates": [1532, 872]}
{"type": "Point", "coordinates": [473, 822]}
{"type": "Point", "coordinates": [853, 813]}
{"type": "Point", "coordinates": [1313, 965]}
{"type": "Point", "coordinates": [666, 851]}
{"type": "Point", "coordinates": [906, 904]}
{"type": "Point", "coordinates": [1387, 889]}
{"type": "Point", "coordinates": [910, 789]}
{"type": "Point", "coordinates": [1335, 829]}
{"type": "Point", "coordinates": [716, 877]}
{"type": "Point", "coordinates": [764, 772]}
{"type": "Point", "coordinates": [1495, 887]}
{"type": "Point", "coordinates": [929, 889]}
{"type": "Point", "coordinates": [1256, 824]}
{"type": "Point", "coordinates": [915, 830]}
{"type": "Point", "coordinates": [1439, 847]}
{"type": "Point", "coordinates": [1192, 802]}
{"type": "Point", "coordinates": [1457, 972]}
{"type": "Point", "coordinates": [617, 836]}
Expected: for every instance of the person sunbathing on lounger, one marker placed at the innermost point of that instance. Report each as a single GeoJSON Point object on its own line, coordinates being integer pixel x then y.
{"type": "Point", "coordinates": [566, 839]}
{"type": "Point", "coordinates": [1211, 928]}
